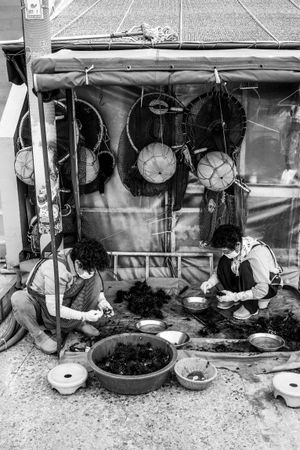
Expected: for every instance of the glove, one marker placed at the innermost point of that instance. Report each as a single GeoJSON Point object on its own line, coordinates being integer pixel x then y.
{"type": "Point", "coordinates": [210, 283]}
{"type": "Point", "coordinates": [92, 316]}
{"type": "Point", "coordinates": [206, 286]}
{"type": "Point", "coordinates": [105, 306]}
{"type": "Point", "coordinates": [235, 296]}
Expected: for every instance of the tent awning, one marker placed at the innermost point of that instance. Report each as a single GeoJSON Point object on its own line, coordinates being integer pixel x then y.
{"type": "Point", "coordinates": [71, 68]}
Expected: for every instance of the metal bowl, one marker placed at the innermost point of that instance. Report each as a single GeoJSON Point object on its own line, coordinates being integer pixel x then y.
{"type": "Point", "coordinates": [177, 338]}
{"type": "Point", "coordinates": [225, 305]}
{"type": "Point", "coordinates": [151, 326]}
{"type": "Point", "coordinates": [195, 304]}
{"type": "Point", "coordinates": [266, 342]}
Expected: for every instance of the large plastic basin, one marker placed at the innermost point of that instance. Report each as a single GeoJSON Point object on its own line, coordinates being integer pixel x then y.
{"type": "Point", "coordinates": [131, 384]}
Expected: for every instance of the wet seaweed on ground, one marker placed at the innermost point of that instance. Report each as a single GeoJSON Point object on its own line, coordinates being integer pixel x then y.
{"type": "Point", "coordinates": [286, 326]}
{"type": "Point", "coordinates": [142, 300]}
{"type": "Point", "coordinates": [129, 359]}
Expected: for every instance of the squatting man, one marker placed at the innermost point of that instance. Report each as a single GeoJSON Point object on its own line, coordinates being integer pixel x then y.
{"type": "Point", "coordinates": [247, 272]}
{"type": "Point", "coordinates": [82, 298]}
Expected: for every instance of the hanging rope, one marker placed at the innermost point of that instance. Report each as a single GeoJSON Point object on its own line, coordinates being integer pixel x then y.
{"type": "Point", "coordinates": [87, 70]}
{"type": "Point", "coordinates": [219, 86]}
{"type": "Point", "coordinates": [158, 34]}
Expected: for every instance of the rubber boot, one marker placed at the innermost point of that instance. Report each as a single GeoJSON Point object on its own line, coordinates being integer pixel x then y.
{"type": "Point", "coordinates": [45, 343]}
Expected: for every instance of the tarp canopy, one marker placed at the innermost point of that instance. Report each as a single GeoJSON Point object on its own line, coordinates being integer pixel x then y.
{"type": "Point", "coordinates": [69, 68]}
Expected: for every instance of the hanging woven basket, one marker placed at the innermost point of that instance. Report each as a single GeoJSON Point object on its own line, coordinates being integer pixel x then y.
{"type": "Point", "coordinates": [93, 136]}
{"type": "Point", "coordinates": [88, 167]}
{"type": "Point", "coordinates": [62, 131]}
{"type": "Point", "coordinates": [24, 166]}
{"type": "Point", "coordinates": [216, 171]}
{"type": "Point", "coordinates": [129, 173]}
{"type": "Point", "coordinates": [156, 163]}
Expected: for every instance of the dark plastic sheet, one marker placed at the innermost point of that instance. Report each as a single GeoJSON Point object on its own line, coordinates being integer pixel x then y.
{"type": "Point", "coordinates": [68, 68]}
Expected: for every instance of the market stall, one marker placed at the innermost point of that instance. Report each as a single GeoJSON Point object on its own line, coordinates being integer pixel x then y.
{"type": "Point", "coordinates": [170, 108]}
{"type": "Point", "coordinates": [263, 84]}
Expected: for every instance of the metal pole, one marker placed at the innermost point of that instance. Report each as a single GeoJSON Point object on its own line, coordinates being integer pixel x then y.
{"type": "Point", "coordinates": [51, 220]}
{"type": "Point", "coordinates": [73, 156]}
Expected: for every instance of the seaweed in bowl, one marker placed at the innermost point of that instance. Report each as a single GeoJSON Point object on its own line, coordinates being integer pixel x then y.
{"type": "Point", "coordinates": [130, 359]}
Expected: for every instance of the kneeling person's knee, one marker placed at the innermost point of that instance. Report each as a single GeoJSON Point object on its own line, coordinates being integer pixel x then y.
{"type": "Point", "coordinates": [18, 300]}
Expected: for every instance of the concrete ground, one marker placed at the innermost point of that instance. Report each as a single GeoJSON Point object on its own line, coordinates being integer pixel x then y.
{"type": "Point", "coordinates": [236, 412]}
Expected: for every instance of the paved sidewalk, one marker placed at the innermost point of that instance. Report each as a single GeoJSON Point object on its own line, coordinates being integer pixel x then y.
{"type": "Point", "coordinates": [233, 413]}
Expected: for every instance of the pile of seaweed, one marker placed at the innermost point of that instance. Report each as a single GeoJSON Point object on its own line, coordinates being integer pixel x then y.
{"type": "Point", "coordinates": [287, 326]}
{"type": "Point", "coordinates": [129, 359]}
{"type": "Point", "coordinates": [142, 300]}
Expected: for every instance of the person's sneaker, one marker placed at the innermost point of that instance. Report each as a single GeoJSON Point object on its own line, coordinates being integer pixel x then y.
{"type": "Point", "coordinates": [263, 303]}
{"type": "Point", "coordinates": [243, 314]}
{"type": "Point", "coordinates": [45, 343]}
{"type": "Point", "coordinates": [88, 330]}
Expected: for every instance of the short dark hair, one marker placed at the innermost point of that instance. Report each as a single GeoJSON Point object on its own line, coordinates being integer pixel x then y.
{"type": "Point", "coordinates": [91, 254]}
{"type": "Point", "coordinates": [226, 236]}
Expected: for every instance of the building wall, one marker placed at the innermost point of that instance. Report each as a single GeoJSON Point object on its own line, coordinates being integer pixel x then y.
{"type": "Point", "coordinates": [10, 28]}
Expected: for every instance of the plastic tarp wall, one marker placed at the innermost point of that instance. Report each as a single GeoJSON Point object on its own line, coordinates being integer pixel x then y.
{"type": "Point", "coordinates": [268, 161]}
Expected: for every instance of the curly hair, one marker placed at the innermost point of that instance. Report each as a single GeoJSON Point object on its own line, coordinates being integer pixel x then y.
{"type": "Point", "coordinates": [91, 254]}
{"type": "Point", "coordinates": [226, 236]}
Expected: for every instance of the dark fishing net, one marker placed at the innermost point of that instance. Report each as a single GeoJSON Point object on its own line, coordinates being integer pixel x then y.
{"type": "Point", "coordinates": [90, 124]}
{"type": "Point", "coordinates": [151, 119]}
{"type": "Point", "coordinates": [219, 208]}
{"type": "Point", "coordinates": [215, 121]}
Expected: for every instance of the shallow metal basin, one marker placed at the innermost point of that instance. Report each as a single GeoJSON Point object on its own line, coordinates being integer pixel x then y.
{"type": "Point", "coordinates": [177, 338]}
{"type": "Point", "coordinates": [266, 342]}
{"type": "Point", "coordinates": [151, 326]}
{"type": "Point", "coordinates": [195, 304]}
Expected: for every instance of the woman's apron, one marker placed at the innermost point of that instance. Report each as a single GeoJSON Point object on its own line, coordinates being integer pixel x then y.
{"type": "Point", "coordinates": [79, 297]}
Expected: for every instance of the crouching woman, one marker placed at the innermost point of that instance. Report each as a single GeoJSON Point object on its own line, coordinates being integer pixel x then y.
{"type": "Point", "coordinates": [82, 298]}
{"type": "Point", "coordinates": [248, 272]}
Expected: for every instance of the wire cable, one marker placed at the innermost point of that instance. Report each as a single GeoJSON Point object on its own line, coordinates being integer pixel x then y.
{"type": "Point", "coordinates": [258, 21]}
{"type": "Point", "coordinates": [180, 20]}
{"type": "Point", "coordinates": [295, 4]}
{"type": "Point", "coordinates": [76, 18]}
{"type": "Point", "coordinates": [125, 15]}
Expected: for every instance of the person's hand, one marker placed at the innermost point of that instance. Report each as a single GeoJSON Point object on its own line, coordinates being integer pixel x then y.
{"type": "Point", "coordinates": [227, 296]}
{"type": "Point", "coordinates": [106, 307]}
{"type": "Point", "coordinates": [206, 286]}
{"type": "Point", "coordinates": [92, 316]}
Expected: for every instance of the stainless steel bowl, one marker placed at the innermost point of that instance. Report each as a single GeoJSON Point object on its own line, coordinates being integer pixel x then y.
{"type": "Point", "coordinates": [225, 305]}
{"type": "Point", "coordinates": [266, 342]}
{"type": "Point", "coordinates": [195, 304]}
{"type": "Point", "coordinates": [151, 326]}
{"type": "Point", "coordinates": [177, 338]}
